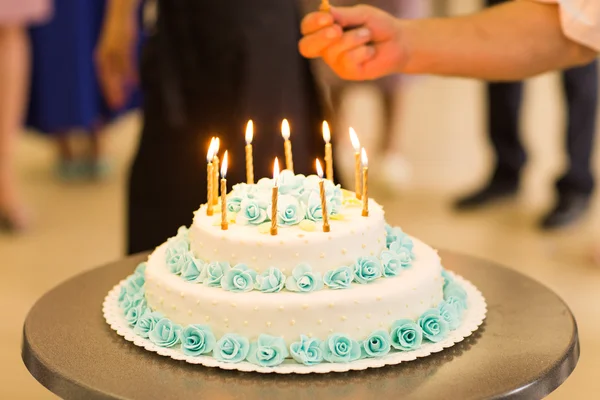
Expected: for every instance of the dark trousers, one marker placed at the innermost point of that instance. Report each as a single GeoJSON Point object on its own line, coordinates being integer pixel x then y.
{"type": "Point", "coordinates": [580, 85]}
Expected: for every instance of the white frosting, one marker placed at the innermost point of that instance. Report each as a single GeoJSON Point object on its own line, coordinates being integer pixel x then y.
{"type": "Point", "coordinates": [349, 239]}
{"type": "Point", "coordinates": [356, 311]}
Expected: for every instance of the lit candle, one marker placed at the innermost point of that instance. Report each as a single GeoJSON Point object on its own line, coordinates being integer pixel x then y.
{"type": "Point", "coordinates": [216, 171]}
{"type": "Point", "coordinates": [249, 159]}
{"type": "Point", "coordinates": [209, 178]}
{"type": "Point", "coordinates": [287, 145]}
{"type": "Point", "coordinates": [365, 191]}
{"type": "Point", "coordinates": [356, 145]}
{"type": "Point", "coordinates": [323, 199]}
{"type": "Point", "coordinates": [224, 223]}
{"type": "Point", "coordinates": [325, 6]}
{"type": "Point", "coordinates": [328, 152]}
{"type": "Point", "coordinates": [274, 197]}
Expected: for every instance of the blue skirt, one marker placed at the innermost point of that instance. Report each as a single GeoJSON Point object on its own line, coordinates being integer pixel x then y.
{"type": "Point", "coordinates": [65, 92]}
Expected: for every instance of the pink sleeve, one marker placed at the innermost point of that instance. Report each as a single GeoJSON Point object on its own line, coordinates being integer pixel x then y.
{"type": "Point", "coordinates": [580, 20]}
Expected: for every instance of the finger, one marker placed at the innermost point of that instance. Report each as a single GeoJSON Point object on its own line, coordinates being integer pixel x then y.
{"type": "Point", "coordinates": [315, 21]}
{"type": "Point", "coordinates": [352, 61]}
{"type": "Point", "coordinates": [312, 46]}
{"type": "Point", "coordinates": [349, 40]}
{"type": "Point", "coordinates": [352, 16]}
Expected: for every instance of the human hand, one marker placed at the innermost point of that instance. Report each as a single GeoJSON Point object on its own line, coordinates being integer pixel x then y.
{"type": "Point", "coordinates": [115, 60]}
{"type": "Point", "coordinates": [358, 43]}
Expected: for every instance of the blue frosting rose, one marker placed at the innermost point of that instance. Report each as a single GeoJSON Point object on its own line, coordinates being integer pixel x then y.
{"type": "Point", "coordinates": [367, 269]}
{"type": "Point", "coordinates": [405, 253]}
{"type": "Point", "coordinates": [339, 278]}
{"type": "Point", "coordinates": [131, 301]}
{"type": "Point", "coordinates": [146, 323]}
{"type": "Point", "coordinates": [135, 284]}
{"type": "Point", "coordinates": [178, 244]}
{"type": "Point", "coordinates": [392, 234]}
{"type": "Point", "coordinates": [453, 289]}
{"type": "Point", "coordinates": [122, 294]}
{"type": "Point", "coordinates": [192, 270]}
{"type": "Point", "coordinates": [268, 351]}
{"type": "Point", "coordinates": [290, 184]}
{"type": "Point", "coordinates": [447, 278]}
{"type": "Point", "coordinates": [392, 265]}
{"type": "Point", "coordinates": [376, 345]}
{"type": "Point", "coordinates": [450, 314]}
{"type": "Point", "coordinates": [141, 268]}
{"type": "Point", "coordinates": [406, 335]}
{"type": "Point", "coordinates": [270, 281]}
{"type": "Point", "coordinates": [197, 340]}
{"type": "Point", "coordinates": [212, 273]}
{"type": "Point", "coordinates": [307, 351]}
{"type": "Point", "coordinates": [289, 211]}
{"type": "Point", "coordinates": [238, 279]}
{"type": "Point", "coordinates": [304, 280]}
{"type": "Point", "coordinates": [134, 313]}
{"type": "Point", "coordinates": [251, 212]}
{"type": "Point", "coordinates": [339, 348]}
{"type": "Point", "coordinates": [434, 327]}
{"type": "Point", "coordinates": [231, 348]}
{"type": "Point", "coordinates": [176, 260]}
{"type": "Point", "coordinates": [460, 305]}
{"type": "Point", "coordinates": [165, 333]}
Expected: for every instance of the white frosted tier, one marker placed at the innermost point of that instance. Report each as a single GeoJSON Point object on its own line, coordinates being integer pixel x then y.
{"type": "Point", "coordinates": [349, 239]}
{"type": "Point", "coordinates": [357, 311]}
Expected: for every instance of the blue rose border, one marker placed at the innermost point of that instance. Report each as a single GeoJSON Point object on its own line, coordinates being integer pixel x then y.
{"type": "Point", "coordinates": [433, 326]}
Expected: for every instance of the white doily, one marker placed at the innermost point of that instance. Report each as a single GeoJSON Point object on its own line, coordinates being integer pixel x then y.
{"type": "Point", "coordinates": [472, 319]}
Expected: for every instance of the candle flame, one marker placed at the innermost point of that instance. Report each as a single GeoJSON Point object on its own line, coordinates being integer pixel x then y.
{"type": "Point", "coordinates": [224, 165]}
{"type": "Point", "coordinates": [211, 150]}
{"type": "Point", "coordinates": [354, 140]}
{"type": "Point", "coordinates": [319, 169]}
{"type": "Point", "coordinates": [276, 171]}
{"type": "Point", "coordinates": [285, 129]}
{"type": "Point", "coordinates": [249, 132]}
{"type": "Point", "coordinates": [363, 157]}
{"type": "Point", "coordinates": [326, 132]}
{"type": "Point", "coordinates": [217, 145]}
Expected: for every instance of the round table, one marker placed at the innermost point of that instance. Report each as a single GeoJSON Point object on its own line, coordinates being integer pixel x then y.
{"type": "Point", "coordinates": [525, 349]}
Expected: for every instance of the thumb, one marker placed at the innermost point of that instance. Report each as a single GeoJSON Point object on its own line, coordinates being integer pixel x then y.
{"type": "Point", "coordinates": [348, 17]}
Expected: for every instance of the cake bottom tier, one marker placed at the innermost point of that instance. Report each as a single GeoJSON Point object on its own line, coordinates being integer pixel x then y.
{"type": "Point", "coordinates": [356, 312]}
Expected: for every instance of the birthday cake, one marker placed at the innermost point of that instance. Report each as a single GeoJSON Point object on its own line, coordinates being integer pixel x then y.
{"type": "Point", "coordinates": [293, 274]}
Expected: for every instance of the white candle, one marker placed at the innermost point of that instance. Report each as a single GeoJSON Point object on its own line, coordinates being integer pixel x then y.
{"type": "Point", "coordinates": [326, 227]}
{"type": "Point", "coordinates": [274, 194]}
{"type": "Point", "coordinates": [209, 178]}
{"type": "Point", "coordinates": [365, 191]}
{"type": "Point", "coordinates": [287, 145]}
{"type": "Point", "coordinates": [216, 171]}
{"type": "Point", "coordinates": [328, 151]}
{"type": "Point", "coordinates": [224, 222]}
{"type": "Point", "coordinates": [356, 145]}
{"type": "Point", "coordinates": [249, 156]}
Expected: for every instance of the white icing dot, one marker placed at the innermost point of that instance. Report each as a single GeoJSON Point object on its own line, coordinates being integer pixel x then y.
{"type": "Point", "coordinates": [344, 251]}
{"type": "Point", "coordinates": [320, 321]}
{"type": "Point", "coordinates": [233, 256]}
{"type": "Point", "coordinates": [253, 258]}
{"type": "Point", "coordinates": [227, 325]}
{"type": "Point", "coordinates": [197, 302]}
{"type": "Point", "coordinates": [268, 324]}
{"type": "Point", "coordinates": [421, 302]}
{"type": "Point", "coordinates": [330, 305]}
{"type": "Point", "coordinates": [329, 238]}
{"type": "Point", "coordinates": [356, 302]}
{"type": "Point", "coordinates": [256, 308]}
{"type": "Point", "coordinates": [281, 242]}
{"type": "Point", "coordinates": [368, 316]}
{"type": "Point", "coordinates": [378, 298]}
{"type": "Point", "coordinates": [158, 285]}
{"type": "Point", "coordinates": [297, 255]}
{"type": "Point", "coordinates": [306, 241]}
{"type": "Point", "coordinates": [293, 322]}
{"type": "Point", "coordinates": [352, 231]}
{"type": "Point", "coordinates": [363, 233]}
{"type": "Point", "coordinates": [343, 318]}
{"type": "Point", "coordinates": [364, 246]}
{"type": "Point", "coordinates": [372, 253]}
{"type": "Point", "coordinates": [378, 240]}
{"type": "Point", "coordinates": [259, 243]}
{"type": "Point", "coordinates": [305, 306]}
{"type": "Point", "coordinates": [201, 245]}
{"type": "Point", "coordinates": [330, 331]}
{"type": "Point", "coordinates": [207, 318]}
{"type": "Point", "coordinates": [322, 255]}
{"type": "Point", "coordinates": [168, 290]}
{"type": "Point", "coordinates": [161, 299]}
{"type": "Point", "coordinates": [270, 256]}
{"type": "Point", "coordinates": [389, 312]}
{"type": "Point", "coordinates": [190, 313]}
{"type": "Point", "coordinates": [407, 306]}
{"type": "Point", "coordinates": [310, 334]}
{"type": "Point", "coordinates": [216, 251]}
{"type": "Point", "coordinates": [358, 328]}
{"type": "Point", "coordinates": [381, 324]}
{"type": "Point", "coordinates": [280, 308]}
{"type": "Point", "coordinates": [226, 320]}
{"type": "Point", "coordinates": [301, 235]}
{"type": "Point", "coordinates": [182, 295]}
{"type": "Point", "coordinates": [245, 323]}
{"type": "Point", "coordinates": [214, 302]}
{"type": "Point", "coordinates": [174, 307]}
{"type": "Point", "coordinates": [223, 237]}
{"type": "Point", "coordinates": [233, 305]}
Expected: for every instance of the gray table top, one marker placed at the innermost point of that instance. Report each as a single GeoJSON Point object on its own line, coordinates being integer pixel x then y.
{"type": "Point", "coordinates": [525, 349]}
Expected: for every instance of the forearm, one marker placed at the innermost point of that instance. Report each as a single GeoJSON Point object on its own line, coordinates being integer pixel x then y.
{"type": "Point", "coordinates": [508, 42]}
{"type": "Point", "coordinates": [120, 12]}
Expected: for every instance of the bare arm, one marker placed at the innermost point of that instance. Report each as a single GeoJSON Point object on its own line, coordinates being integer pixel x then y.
{"type": "Point", "coordinates": [510, 41]}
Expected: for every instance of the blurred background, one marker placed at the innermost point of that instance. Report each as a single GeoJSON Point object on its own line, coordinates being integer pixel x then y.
{"type": "Point", "coordinates": [65, 208]}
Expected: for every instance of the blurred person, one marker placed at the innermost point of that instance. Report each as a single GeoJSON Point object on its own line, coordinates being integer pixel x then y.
{"type": "Point", "coordinates": [65, 92]}
{"type": "Point", "coordinates": [15, 16]}
{"type": "Point", "coordinates": [206, 69]}
{"type": "Point", "coordinates": [575, 187]}
{"type": "Point", "coordinates": [394, 169]}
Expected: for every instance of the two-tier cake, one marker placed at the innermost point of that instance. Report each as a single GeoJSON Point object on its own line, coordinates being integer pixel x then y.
{"type": "Point", "coordinates": [363, 290]}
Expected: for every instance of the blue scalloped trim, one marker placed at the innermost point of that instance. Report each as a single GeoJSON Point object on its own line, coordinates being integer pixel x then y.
{"type": "Point", "coordinates": [433, 325]}
{"type": "Point", "coordinates": [397, 256]}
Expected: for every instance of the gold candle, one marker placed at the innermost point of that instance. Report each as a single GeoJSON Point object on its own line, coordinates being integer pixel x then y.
{"type": "Point", "coordinates": [326, 227]}
{"type": "Point", "coordinates": [274, 197]}
{"type": "Point", "coordinates": [216, 171]}
{"type": "Point", "coordinates": [365, 176]}
{"type": "Point", "coordinates": [224, 222]}
{"type": "Point", "coordinates": [328, 152]}
{"type": "Point", "coordinates": [209, 178]}
{"type": "Point", "coordinates": [249, 158]}
{"type": "Point", "coordinates": [287, 145]}
{"type": "Point", "coordinates": [325, 6]}
{"type": "Point", "coordinates": [356, 146]}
